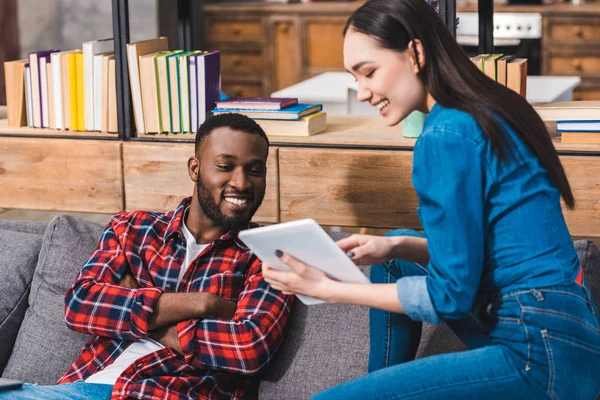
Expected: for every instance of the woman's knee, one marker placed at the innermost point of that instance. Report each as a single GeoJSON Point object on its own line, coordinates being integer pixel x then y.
{"type": "Point", "coordinates": [405, 232]}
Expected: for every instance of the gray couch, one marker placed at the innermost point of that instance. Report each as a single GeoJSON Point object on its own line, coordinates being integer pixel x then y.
{"type": "Point", "coordinates": [324, 345]}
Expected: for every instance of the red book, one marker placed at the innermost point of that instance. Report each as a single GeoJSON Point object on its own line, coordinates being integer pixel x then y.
{"type": "Point", "coordinates": [256, 103]}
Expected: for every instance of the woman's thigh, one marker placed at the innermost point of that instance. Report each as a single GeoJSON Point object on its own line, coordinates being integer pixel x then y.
{"type": "Point", "coordinates": [488, 372]}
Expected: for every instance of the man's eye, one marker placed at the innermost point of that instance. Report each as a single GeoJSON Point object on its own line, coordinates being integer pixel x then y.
{"type": "Point", "coordinates": [257, 171]}
{"type": "Point", "coordinates": [224, 167]}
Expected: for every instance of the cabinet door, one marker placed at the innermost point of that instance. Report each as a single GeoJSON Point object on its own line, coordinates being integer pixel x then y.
{"type": "Point", "coordinates": [323, 44]}
{"type": "Point", "coordinates": [339, 187]}
{"type": "Point", "coordinates": [579, 30]}
{"type": "Point", "coordinates": [287, 60]}
{"type": "Point", "coordinates": [156, 178]}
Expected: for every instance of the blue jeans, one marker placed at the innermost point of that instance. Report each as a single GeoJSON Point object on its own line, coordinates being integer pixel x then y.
{"type": "Point", "coordinates": [529, 344]}
{"type": "Point", "coordinates": [68, 391]}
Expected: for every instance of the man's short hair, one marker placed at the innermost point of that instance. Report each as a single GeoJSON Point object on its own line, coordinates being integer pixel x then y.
{"type": "Point", "coordinates": [237, 122]}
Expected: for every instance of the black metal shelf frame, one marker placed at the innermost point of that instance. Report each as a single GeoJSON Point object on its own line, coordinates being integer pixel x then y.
{"type": "Point", "coordinates": [189, 14]}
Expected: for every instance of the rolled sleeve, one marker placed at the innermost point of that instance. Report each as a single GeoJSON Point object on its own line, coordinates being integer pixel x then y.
{"type": "Point", "coordinates": [415, 300]}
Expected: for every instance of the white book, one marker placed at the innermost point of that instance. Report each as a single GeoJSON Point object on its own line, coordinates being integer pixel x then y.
{"type": "Point", "coordinates": [89, 50]}
{"type": "Point", "coordinates": [200, 79]}
{"type": "Point", "coordinates": [184, 103]}
{"type": "Point", "coordinates": [28, 97]}
{"type": "Point", "coordinates": [193, 94]}
{"type": "Point", "coordinates": [98, 106]}
{"type": "Point", "coordinates": [57, 93]}
{"type": "Point", "coordinates": [44, 93]}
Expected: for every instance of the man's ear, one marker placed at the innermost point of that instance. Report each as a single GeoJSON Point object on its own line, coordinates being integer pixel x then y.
{"type": "Point", "coordinates": [420, 53]}
{"type": "Point", "coordinates": [194, 168]}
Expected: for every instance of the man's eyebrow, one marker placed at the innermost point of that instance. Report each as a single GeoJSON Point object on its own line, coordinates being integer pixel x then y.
{"type": "Point", "coordinates": [228, 156]}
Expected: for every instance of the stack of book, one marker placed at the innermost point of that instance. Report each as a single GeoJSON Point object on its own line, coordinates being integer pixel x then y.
{"type": "Point", "coordinates": [172, 91]}
{"type": "Point", "coordinates": [72, 90]}
{"type": "Point", "coordinates": [507, 70]}
{"type": "Point", "coordinates": [578, 122]}
{"type": "Point", "coordinates": [278, 116]}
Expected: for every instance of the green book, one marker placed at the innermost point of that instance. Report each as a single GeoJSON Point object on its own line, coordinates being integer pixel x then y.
{"type": "Point", "coordinates": [173, 90]}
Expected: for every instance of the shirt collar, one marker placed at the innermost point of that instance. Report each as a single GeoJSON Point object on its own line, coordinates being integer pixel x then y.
{"type": "Point", "coordinates": [176, 226]}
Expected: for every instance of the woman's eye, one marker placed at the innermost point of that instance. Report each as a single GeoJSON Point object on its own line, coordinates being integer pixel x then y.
{"type": "Point", "coordinates": [370, 74]}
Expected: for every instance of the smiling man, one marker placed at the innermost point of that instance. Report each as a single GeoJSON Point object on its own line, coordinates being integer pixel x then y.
{"type": "Point", "coordinates": [176, 302]}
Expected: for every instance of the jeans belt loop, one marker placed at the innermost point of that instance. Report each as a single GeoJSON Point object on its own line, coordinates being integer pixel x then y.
{"type": "Point", "coordinates": [535, 293]}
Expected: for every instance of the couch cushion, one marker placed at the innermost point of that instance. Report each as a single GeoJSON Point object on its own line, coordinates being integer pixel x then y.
{"type": "Point", "coordinates": [18, 258]}
{"type": "Point", "coordinates": [589, 256]}
{"type": "Point", "coordinates": [37, 228]}
{"type": "Point", "coordinates": [45, 347]}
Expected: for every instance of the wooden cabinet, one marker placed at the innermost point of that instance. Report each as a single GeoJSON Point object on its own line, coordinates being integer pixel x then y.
{"type": "Point", "coordinates": [571, 46]}
{"type": "Point", "coordinates": [323, 44]}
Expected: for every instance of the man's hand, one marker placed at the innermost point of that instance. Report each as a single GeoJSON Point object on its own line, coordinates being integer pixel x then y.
{"type": "Point", "coordinates": [167, 336]}
{"type": "Point", "coordinates": [129, 282]}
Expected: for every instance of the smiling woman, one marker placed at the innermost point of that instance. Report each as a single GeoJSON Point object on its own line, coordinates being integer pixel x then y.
{"type": "Point", "coordinates": [496, 261]}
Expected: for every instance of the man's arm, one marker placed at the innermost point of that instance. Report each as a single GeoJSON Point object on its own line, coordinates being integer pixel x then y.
{"type": "Point", "coordinates": [245, 344]}
{"type": "Point", "coordinates": [106, 300]}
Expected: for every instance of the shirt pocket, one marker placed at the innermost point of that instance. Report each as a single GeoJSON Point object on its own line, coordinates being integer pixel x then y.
{"type": "Point", "coordinates": [227, 284]}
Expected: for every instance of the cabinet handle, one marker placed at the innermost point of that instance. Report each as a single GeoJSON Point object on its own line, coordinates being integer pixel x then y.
{"type": "Point", "coordinates": [577, 64]}
{"type": "Point", "coordinates": [284, 28]}
{"type": "Point", "coordinates": [237, 62]}
{"type": "Point", "coordinates": [237, 31]}
{"type": "Point", "coordinates": [579, 31]}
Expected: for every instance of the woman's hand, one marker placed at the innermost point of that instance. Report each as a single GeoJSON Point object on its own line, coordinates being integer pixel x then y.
{"type": "Point", "coordinates": [303, 279]}
{"type": "Point", "coordinates": [368, 249]}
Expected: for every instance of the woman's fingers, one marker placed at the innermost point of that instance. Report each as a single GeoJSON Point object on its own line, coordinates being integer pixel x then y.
{"type": "Point", "coordinates": [296, 265]}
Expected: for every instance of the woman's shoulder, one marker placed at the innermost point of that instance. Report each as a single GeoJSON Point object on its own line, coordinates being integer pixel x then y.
{"type": "Point", "coordinates": [452, 123]}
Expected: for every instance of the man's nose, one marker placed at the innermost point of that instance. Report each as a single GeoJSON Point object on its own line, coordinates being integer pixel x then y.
{"type": "Point", "coordinates": [240, 180]}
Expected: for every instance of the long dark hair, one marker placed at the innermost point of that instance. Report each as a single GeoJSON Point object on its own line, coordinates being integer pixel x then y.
{"type": "Point", "coordinates": [455, 82]}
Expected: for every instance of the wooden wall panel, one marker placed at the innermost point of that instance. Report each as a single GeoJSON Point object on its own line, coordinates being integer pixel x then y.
{"type": "Point", "coordinates": [156, 178]}
{"type": "Point", "coordinates": [364, 188]}
{"type": "Point", "coordinates": [584, 175]}
{"type": "Point", "coordinates": [325, 43]}
{"type": "Point", "coordinates": [287, 59]}
{"type": "Point", "coordinates": [61, 174]}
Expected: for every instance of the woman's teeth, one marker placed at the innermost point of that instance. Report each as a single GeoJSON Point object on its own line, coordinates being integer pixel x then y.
{"type": "Point", "coordinates": [382, 104]}
{"type": "Point", "coordinates": [234, 200]}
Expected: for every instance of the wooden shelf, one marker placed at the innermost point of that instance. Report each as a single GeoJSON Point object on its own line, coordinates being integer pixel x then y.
{"type": "Point", "coordinates": [5, 130]}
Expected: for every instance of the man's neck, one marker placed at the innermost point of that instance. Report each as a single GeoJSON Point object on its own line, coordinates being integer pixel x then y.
{"type": "Point", "coordinates": [199, 225]}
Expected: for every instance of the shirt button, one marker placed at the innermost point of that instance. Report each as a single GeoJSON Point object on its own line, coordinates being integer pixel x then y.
{"type": "Point", "coordinates": [169, 286]}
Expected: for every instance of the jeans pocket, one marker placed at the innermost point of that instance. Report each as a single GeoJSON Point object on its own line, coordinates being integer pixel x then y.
{"type": "Point", "coordinates": [572, 367]}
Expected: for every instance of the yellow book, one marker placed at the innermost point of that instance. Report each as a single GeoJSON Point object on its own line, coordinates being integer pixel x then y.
{"type": "Point", "coordinates": [73, 92]}
{"type": "Point", "coordinates": [80, 93]}
{"type": "Point", "coordinates": [306, 126]}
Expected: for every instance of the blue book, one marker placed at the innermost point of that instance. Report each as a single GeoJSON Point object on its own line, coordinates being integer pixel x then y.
{"type": "Point", "coordinates": [293, 113]}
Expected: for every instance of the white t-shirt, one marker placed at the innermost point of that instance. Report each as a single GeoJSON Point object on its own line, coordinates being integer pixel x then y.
{"type": "Point", "coordinates": [142, 347]}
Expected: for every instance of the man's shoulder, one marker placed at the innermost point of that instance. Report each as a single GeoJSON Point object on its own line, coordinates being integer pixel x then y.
{"type": "Point", "coordinates": [140, 220]}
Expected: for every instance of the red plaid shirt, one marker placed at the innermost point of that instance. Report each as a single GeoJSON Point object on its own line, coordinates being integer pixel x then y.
{"type": "Point", "coordinates": [219, 356]}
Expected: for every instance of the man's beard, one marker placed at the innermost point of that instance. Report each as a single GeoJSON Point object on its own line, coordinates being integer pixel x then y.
{"type": "Point", "coordinates": [214, 213]}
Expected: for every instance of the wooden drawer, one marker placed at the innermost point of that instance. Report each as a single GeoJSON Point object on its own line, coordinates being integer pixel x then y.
{"type": "Point", "coordinates": [241, 64]}
{"type": "Point", "coordinates": [573, 29]}
{"type": "Point", "coordinates": [165, 165]}
{"type": "Point", "coordinates": [236, 30]}
{"type": "Point", "coordinates": [237, 89]}
{"type": "Point", "coordinates": [574, 64]}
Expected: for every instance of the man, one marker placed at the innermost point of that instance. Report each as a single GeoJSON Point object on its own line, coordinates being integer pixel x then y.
{"type": "Point", "coordinates": [177, 303]}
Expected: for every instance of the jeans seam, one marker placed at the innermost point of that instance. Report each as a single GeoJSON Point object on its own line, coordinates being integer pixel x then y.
{"type": "Point", "coordinates": [527, 366]}
{"type": "Point", "coordinates": [389, 327]}
{"type": "Point", "coordinates": [573, 343]}
{"type": "Point", "coordinates": [550, 356]}
{"type": "Point", "coordinates": [561, 315]}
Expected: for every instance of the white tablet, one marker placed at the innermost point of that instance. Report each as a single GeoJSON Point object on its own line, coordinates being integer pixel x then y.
{"type": "Point", "coordinates": [308, 242]}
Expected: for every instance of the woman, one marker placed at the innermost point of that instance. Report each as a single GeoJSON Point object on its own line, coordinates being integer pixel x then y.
{"type": "Point", "coordinates": [497, 264]}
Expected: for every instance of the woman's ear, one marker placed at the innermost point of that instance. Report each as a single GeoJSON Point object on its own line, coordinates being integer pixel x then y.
{"type": "Point", "coordinates": [416, 44]}
{"type": "Point", "coordinates": [193, 168]}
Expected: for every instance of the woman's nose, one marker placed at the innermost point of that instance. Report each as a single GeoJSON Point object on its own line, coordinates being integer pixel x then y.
{"type": "Point", "coordinates": [363, 94]}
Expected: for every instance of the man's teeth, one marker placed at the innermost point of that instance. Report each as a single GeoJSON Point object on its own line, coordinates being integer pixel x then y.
{"type": "Point", "coordinates": [382, 104]}
{"type": "Point", "coordinates": [234, 200]}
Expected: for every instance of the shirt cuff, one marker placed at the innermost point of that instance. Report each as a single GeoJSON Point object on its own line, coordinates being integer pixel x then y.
{"type": "Point", "coordinates": [415, 300]}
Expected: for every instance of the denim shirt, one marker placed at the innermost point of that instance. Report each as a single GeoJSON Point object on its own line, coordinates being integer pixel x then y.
{"type": "Point", "coordinates": [493, 226]}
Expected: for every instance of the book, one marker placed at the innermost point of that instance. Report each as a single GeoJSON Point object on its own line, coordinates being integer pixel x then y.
{"type": "Point", "coordinates": [113, 126]}
{"type": "Point", "coordinates": [479, 61]}
{"type": "Point", "coordinates": [36, 84]}
{"type": "Point", "coordinates": [44, 92]}
{"type": "Point", "coordinates": [15, 83]}
{"type": "Point", "coordinates": [568, 110]}
{"type": "Point", "coordinates": [73, 92]}
{"type": "Point", "coordinates": [516, 75]}
{"type": "Point", "coordinates": [256, 103]}
{"type": "Point", "coordinates": [306, 126]}
{"type": "Point", "coordinates": [490, 66]}
{"type": "Point", "coordinates": [501, 68]}
{"type": "Point", "coordinates": [57, 100]}
{"type": "Point", "coordinates": [184, 91]}
{"type": "Point", "coordinates": [173, 87]}
{"type": "Point", "coordinates": [580, 137]}
{"type": "Point", "coordinates": [578, 126]}
{"type": "Point", "coordinates": [28, 99]}
{"type": "Point", "coordinates": [163, 92]}
{"type": "Point", "coordinates": [290, 113]}
{"type": "Point", "coordinates": [90, 89]}
{"type": "Point", "coordinates": [208, 79]}
{"type": "Point", "coordinates": [50, 90]}
{"type": "Point", "coordinates": [66, 90]}
{"type": "Point", "coordinates": [105, 90]}
{"type": "Point", "coordinates": [99, 83]}
{"type": "Point", "coordinates": [150, 95]}
{"type": "Point", "coordinates": [193, 73]}
{"type": "Point", "coordinates": [134, 51]}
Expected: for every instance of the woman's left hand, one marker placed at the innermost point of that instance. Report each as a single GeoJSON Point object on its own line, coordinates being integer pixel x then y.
{"type": "Point", "coordinates": [303, 279]}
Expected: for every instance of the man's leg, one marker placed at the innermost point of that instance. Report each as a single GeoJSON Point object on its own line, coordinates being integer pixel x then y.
{"type": "Point", "coordinates": [68, 391]}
